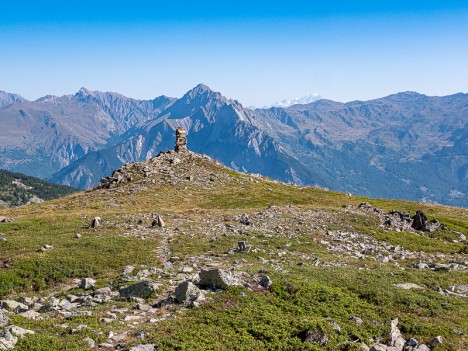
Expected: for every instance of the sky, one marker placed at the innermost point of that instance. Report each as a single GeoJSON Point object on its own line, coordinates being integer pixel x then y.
{"type": "Point", "coordinates": [256, 51]}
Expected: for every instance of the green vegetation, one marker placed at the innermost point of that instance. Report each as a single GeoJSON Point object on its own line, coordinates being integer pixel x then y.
{"type": "Point", "coordinates": [304, 296]}
{"type": "Point", "coordinates": [26, 188]}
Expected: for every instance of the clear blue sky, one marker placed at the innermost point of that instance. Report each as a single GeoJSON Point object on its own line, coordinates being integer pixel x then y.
{"type": "Point", "coordinates": [255, 51]}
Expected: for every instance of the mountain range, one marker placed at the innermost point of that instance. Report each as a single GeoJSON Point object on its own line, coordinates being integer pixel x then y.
{"type": "Point", "coordinates": [405, 146]}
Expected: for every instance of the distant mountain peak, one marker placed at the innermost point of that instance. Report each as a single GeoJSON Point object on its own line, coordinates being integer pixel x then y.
{"type": "Point", "coordinates": [198, 91]}
{"type": "Point", "coordinates": [83, 92]}
{"type": "Point", "coordinates": [202, 87]}
{"type": "Point", "coordinates": [297, 101]}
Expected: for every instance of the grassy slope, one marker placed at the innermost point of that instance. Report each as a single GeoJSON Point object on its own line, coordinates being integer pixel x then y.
{"type": "Point", "coordinates": [301, 297]}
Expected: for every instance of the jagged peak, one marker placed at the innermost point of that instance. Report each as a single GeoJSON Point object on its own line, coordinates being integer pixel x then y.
{"type": "Point", "coordinates": [199, 90]}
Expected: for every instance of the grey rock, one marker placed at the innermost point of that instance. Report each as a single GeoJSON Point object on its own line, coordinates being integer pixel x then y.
{"type": "Point", "coordinates": [408, 286]}
{"type": "Point", "coordinates": [89, 342]}
{"type": "Point", "coordinates": [146, 347]}
{"type": "Point", "coordinates": [7, 340]}
{"type": "Point", "coordinates": [318, 337]}
{"type": "Point", "coordinates": [266, 282]}
{"type": "Point", "coordinates": [357, 320]}
{"type": "Point", "coordinates": [436, 341]}
{"type": "Point", "coordinates": [412, 342]}
{"type": "Point", "coordinates": [423, 347]}
{"type": "Point", "coordinates": [187, 293]}
{"type": "Point", "coordinates": [217, 279]}
{"type": "Point", "coordinates": [158, 222]}
{"type": "Point", "coordinates": [96, 222]}
{"type": "Point", "coordinates": [142, 289]}
{"type": "Point", "coordinates": [46, 247]}
{"type": "Point", "coordinates": [421, 265]}
{"type": "Point", "coordinates": [378, 347]}
{"type": "Point", "coordinates": [103, 293]}
{"type": "Point", "coordinates": [244, 219]}
{"type": "Point", "coordinates": [87, 283]}
{"type": "Point", "coordinates": [19, 332]}
{"type": "Point", "coordinates": [395, 339]}
{"type": "Point", "coordinates": [33, 315]}
{"type": "Point", "coordinates": [4, 320]}
{"type": "Point", "coordinates": [14, 306]}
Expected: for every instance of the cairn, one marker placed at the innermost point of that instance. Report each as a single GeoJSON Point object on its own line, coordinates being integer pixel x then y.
{"type": "Point", "coordinates": [181, 140]}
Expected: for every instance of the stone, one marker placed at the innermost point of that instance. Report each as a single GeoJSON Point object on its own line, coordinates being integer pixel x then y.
{"type": "Point", "coordinates": [103, 293]}
{"type": "Point", "coordinates": [412, 342]}
{"type": "Point", "coordinates": [395, 339]}
{"type": "Point", "coordinates": [436, 341]}
{"type": "Point", "coordinates": [19, 332]}
{"type": "Point", "coordinates": [146, 347]}
{"type": "Point", "coordinates": [78, 235]}
{"type": "Point", "coordinates": [181, 140]}
{"type": "Point", "coordinates": [33, 315]}
{"type": "Point", "coordinates": [244, 219]}
{"type": "Point", "coordinates": [7, 340]}
{"type": "Point", "coordinates": [266, 282]}
{"type": "Point", "coordinates": [336, 326]}
{"type": "Point", "coordinates": [89, 342]}
{"type": "Point", "coordinates": [4, 219]}
{"type": "Point", "coordinates": [356, 320]}
{"type": "Point", "coordinates": [4, 320]}
{"type": "Point", "coordinates": [420, 221]}
{"type": "Point", "coordinates": [378, 347]}
{"type": "Point", "coordinates": [96, 222]}
{"type": "Point", "coordinates": [421, 265]}
{"type": "Point", "coordinates": [158, 222]}
{"type": "Point", "coordinates": [423, 347]}
{"type": "Point", "coordinates": [14, 306]}
{"type": "Point", "coordinates": [46, 247]}
{"type": "Point", "coordinates": [408, 286]}
{"type": "Point", "coordinates": [87, 283]}
{"type": "Point", "coordinates": [142, 289]}
{"type": "Point", "coordinates": [187, 293]}
{"type": "Point", "coordinates": [217, 279]}
{"type": "Point", "coordinates": [314, 337]}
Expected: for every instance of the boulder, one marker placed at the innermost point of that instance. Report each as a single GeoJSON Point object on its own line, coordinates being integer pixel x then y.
{"type": "Point", "coordinates": [318, 337]}
{"type": "Point", "coordinates": [19, 332]}
{"type": "Point", "coordinates": [217, 279]}
{"type": "Point", "coordinates": [4, 320]}
{"type": "Point", "coordinates": [158, 222]}
{"type": "Point", "coordinates": [142, 289]}
{"type": "Point", "coordinates": [4, 219]}
{"type": "Point", "coordinates": [244, 219]}
{"type": "Point", "coordinates": [395, 339]}
{"type": "Point", "coordinates": [7, 340]}
{"type": "Point", "coordinates": [87, 283]}
{"type": "Point", "coordinates": [266, 282]}
{"type": "Point", "coordinates": [436, 341]}
{"type": "Point", "coordinates": [13, 306]}
{"type": "Point", "coordinates": [96, 222]}
{"type": "Point", "coordinates": [420, 221]}
{"type": "Point", "coordinates": [187, 293]}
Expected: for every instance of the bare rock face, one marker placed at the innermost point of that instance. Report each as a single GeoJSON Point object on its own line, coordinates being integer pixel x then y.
{"type": "Point", "coordinates": [181, 140]}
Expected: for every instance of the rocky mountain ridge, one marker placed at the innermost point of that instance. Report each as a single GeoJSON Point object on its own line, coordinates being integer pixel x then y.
{"type": "Point", "coordinates": [405, 145]}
